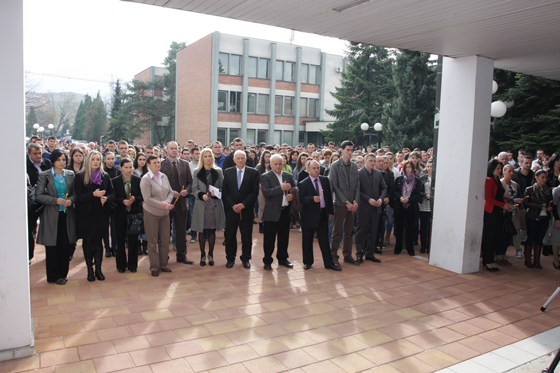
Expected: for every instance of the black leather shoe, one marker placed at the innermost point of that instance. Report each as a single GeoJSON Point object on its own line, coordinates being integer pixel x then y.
{"type": "Point", "coordinates": [185, 261]}
{"type": "Point", "coordinates": [378, 251]}
{"type": "Point", "coordinates": [334, 268]}
{"type": "Point", "coordinates": [165, 269]}
{"type": "Point", "coordinates": [267, 267]}
{"type": "Point", "coordinates": [373, 259]}
{"type": "Point", "coordinates": [286, 264]}
{"type": "Point", "coordinates": [132, 270]}
{"type": "Point", "coordinates": [120, 270]}
{"type": "Point", "coordinates": [229, 264]}
{"type": "Point", "coordinates": [61, 281]}
{"type": "Point", "coordinates": [306, 266]}
{"type": "Point", "coordinates": [246, 265]}
{"type": "Point", "coordinates": [359, 258]}
{"type": "Point", "coordinates": [351, 260]}
{"type": "Point", "coordinates": [108, 253]}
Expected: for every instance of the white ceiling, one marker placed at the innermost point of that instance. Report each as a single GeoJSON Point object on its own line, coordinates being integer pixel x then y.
{"type": "Point", "coordinates": [520, 35]}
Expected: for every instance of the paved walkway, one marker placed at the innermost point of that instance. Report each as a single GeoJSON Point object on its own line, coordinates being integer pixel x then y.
{"type": "Point", "coordinates": [402, 315]}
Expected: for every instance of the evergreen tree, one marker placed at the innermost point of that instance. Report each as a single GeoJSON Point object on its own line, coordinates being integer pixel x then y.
{"type": "Point", "coordinates": [79, 129]}
{"type": "Point", "coordinates": [119, 121]}
{"type": "Point", "coordinates": [169, 87]}
{"type": "Point", "coordinates": [366, 88]}
{"type": "Point", "coordinates": [96, 120]}
{"type": "Point", "coordinates": [410, 117]}
{"type": "Point", "coordinates": [30, 121]}
{"type": "Point", "coordinates": [532, 122]}
{"type": "Point", "coordinates": [140, 111]}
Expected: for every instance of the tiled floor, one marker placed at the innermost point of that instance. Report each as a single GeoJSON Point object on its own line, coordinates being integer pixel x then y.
{"type": "Point", "coordinates": [402, 315]}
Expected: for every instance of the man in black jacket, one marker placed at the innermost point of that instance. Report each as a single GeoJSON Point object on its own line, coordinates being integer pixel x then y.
{"type": "Point", "coordinates": [237, 145]}
{"type": "Point", "coordinates": [35, 165]}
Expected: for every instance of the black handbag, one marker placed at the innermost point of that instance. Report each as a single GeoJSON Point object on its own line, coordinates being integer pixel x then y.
{"type": "Point", "coordinates": [34, 206]}
{"type": "Point", "coordinates": [508, 228]}
{"type": "Point", "coordinates": [135, 224]}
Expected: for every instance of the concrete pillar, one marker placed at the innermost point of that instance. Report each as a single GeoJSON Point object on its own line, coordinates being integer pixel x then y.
{"type": "Point", "coordinates": [295, 134]}
{"type": "Point", "coordinates": [15, 306]}
{"type": "Point", "coordinates": [271, 115]}
{"type": "Point", "coordinates": [464, 135]}
{"type": "Point", "coordinates": [244, 91]}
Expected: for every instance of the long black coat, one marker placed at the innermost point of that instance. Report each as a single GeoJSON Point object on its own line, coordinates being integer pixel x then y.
{"type": "Point", "coordinates": [120, 196]}
{"type": "Point", "coordinates": [93, 218]}
{"type": "Point", "coordinates": [415, 196]}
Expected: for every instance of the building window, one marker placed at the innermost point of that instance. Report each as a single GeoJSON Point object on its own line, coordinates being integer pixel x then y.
{"type": "Point", "coordinates": [223, 61]}
{"type": "Point", "coordinates": [250, 140]}
{"type": "Point", "coordinates": [234, 102]}
{"type": "Point", "coordinates": [235, 65]}
{"type": "Point", "coordinates": [221, 135]}
{"type": "Point", "coordinates": [288, 105]}
{"type": "Point", "coordinates": [278, 137]}
{"type": "Point", "coordinates": [222, 100]}
{"type": "Point", "coordinates": [313, 74]}
{"type": "Point", "coordinates": [302, 107]}
{"type": "Point", "coordinates": [261, 136]}
{"type": "Point", "coordinates": [313, 106]}
{"type": "Point", "coordinates": [251, 102]}
{"type": "Point", "coordinates": [289, 71]}
{"type": "Point", "coordinates": [303, 72]}
{"type": "Point", "coordinates": [279, 69]}
{"type": "Point", "coordinates": [233, 133]}
{"type": "Point", "coordinates": [252, 67]}
{"type": "Point", "coordinates": [263, 68]}
{"type": "Point", "coordinates": [263, 104]}
{"type": "Point", "coordinates": [288, 137]}
{"type": "Point", "coordinates": [278, 105]}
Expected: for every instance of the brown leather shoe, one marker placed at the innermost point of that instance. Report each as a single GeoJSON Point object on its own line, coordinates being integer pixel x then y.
{"type": "Point", "coordinates": [155, 273]}
{"type": "Point", "coordinates": [185, 261]}
{"type": "Point", "coordinates": [165, 269]}
{"type": "Point", "coordinates": [351, 260]}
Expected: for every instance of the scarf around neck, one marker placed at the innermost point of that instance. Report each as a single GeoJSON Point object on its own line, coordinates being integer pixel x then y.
{"type": "Point", "coordinates": [96, 177]}
{"type": "Point", "coordinates": [408, 187]}
{"type": "Point", "coordinates": [543, 194]}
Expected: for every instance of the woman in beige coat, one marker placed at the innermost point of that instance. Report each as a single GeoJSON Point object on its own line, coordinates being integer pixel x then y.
{"type": "Point", "coordinates": [158, 201]}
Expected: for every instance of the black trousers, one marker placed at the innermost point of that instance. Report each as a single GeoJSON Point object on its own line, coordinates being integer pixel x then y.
{"type": "Point", "coordinates": [56, 259]}
{"type": "Point", "coordinates": [280, 229]}
{"type": "Point", "coordinates": [122, 262]}
{"type": "Point", "coordinates": [233, 222]}
{"type": "Point", "coordinates": [31, 226]}
{"type": "Point", "coordinates": [323, 238]}
{"type": "Point", "coordinates": [536, 230]}
{"type": "Point", "coordinates": [404, 221]}
{"type": "Point", "coordinates": [491, 232]}
{"type": "Point", "coordinates": [366, 233]}
{"type": "Point", "coordinates": [425, 222]}
{"type": "Point", "coordinates": [181, 231]}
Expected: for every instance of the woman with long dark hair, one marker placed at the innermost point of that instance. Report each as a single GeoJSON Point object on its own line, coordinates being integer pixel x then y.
{"type": "Point", "coordinates": [294, 154]}
{"type": "Point", "coordinates": [139, 164]}
{"type": "Point", "coordinates": [208, 212]}
{"type": "Point", "coordinates": [94, 200]}
{"type": "Point", "coordinates": [406, 196]}
{"type": "Point", "coordinates": [76, 162]}
{"type": "Point", "coordinates": [538, 202]}
{"type": "Point", "coordinates": [57, 231]}
{"type": "Point", "coordinates": [494, 206]}
{"type": "Point", "coordinates": [300, 166]}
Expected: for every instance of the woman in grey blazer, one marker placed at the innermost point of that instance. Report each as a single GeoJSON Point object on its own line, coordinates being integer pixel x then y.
{"type": "Point", "coordinates": [57, 231]}
{"type": "Point", "coordinates": [208, 213]}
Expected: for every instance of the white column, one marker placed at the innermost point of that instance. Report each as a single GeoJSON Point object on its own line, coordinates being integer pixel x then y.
{"type": "Point", "coordinates": [15, 307]}
{"type": "Point", "coordinates": [462, 158]}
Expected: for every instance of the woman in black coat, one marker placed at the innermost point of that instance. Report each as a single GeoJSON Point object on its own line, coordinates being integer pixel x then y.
{"type": "Point", "coordinates": [406, 196]}
{"type": "Point", "coordinates": [95, 196]}
{"type": "Point", "coordinates": [129, 202]}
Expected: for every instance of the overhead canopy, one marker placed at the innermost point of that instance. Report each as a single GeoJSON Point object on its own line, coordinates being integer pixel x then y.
{"type": "Point", "coordinates": [520, 35]}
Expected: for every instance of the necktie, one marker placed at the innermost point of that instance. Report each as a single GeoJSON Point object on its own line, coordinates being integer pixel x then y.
{"type": "Point", "coordinates": [239, 179]}
{"type": "Point", "coordinates": [175, 172]}
{"type": "Point", "coordinates": [322, 203]}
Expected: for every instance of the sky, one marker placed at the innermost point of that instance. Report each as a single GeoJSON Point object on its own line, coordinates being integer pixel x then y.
{"type": "Point", "coordinates": [106, 40]}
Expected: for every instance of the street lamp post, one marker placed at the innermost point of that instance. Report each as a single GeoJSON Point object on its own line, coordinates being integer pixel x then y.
{"type": "Point", "coordinates": [51, 126]}
{"type": "Point", "coordinates": [42, 131]}
{"type": "Point", "coordinates": [36, 128]}
{"type": "Point", "coordinates": [377, 127]}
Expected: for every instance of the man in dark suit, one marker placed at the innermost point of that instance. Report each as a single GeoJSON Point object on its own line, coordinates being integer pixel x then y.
{"type": "Point", "coordinates": [228, 160]}
{"type": "Point", "coordinates": [179, 174]}
{"type": "Point", "coordinates": [35, 165]}
{"type": "Point", "coordinates": [316, 197]}
{"type": "Point", "coordinates": [373, 191]}
{"type": "Point", "coordinates": [239, 193]}
{"type": "Point", "coordinates": [276, 214]}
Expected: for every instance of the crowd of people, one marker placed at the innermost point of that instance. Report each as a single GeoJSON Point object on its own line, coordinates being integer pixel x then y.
{"type": "Point", "coordinates": [138, 200]}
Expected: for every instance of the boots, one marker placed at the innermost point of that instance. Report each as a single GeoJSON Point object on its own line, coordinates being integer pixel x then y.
{"type": "Point", "coordinates": [527, 252]}
{"type": "Point", "coordinates": [98, 253]}
{"type": "Point", "coordinates": [145, 247]}
{"type": "Point", "coordinates": [211, 242]}
{"type": "Point", "coordinates": [88, 256]}
{"type": "Point", "coordinates": [537, 257]}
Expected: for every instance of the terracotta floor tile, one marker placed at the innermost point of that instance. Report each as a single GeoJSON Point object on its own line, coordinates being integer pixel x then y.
{"type": "Point", "coordinates": [149, 356]}
{"type": "Point", "coordinates": [412, 365]}
{"type": "Point", "coordinates": [80, 339]}
{"type": "Point", "coordinates": [19, 365]}
{"type": "Point", "coordinates": [297, 340]}
{"type": "Point", "coordinates": [201, 318]}
{"type": "Point", "coordinates": [437, 321]}
{"type": "Point", "coordinates": [214, 343]}
{"type": "Point", "coordinates": [113, 333]}
{"type": "Point", "coordinates": [322, 367]}
{"type": "Point", "coordinates": [295, 359]}
{"type": "Point", "coordinates": [373, 338]}
{"type": "Point", "coordinates": [380, 355]}
{"type": "Point", "coordinates": [221, 327]}
{"type": "Point", "coordinates": [82, 367]}
{"type": "Point", "coordinates": [113, 363]}
{"type": "Point", "coordinates": [270, 331]}
{"type": "Point", "coordinates": [499, 338]}
{"type": "Point", "coordinates": [323, 351]}
{"type": "Point", "coordinates": [97, 324]}
{"type": "Point", "coordinates": [349, 344]}
{"type": "Point", "coordinates": [243, 336]}
{"type": "Point", "coordinates": [436, 359]}
{"type": "Point", "coordinates": [426, 340]}
{"type": "Point", "coordinates": [162, 338]}
{"type": "Point", "coordinates": [447, 334]}
{"type": "Point", "coordinates": [69, 355]}
{"type": "Point", "coordinates": [352, 362]}
{"type": "Point", "coordinates": [262, 364]}
{"type": "Point", "coordinates": [458, 351]}
{"type": "Point", "coordinates": [144, 328]}
{"type": "Point", "coordinates": [193, 332]}
{"type": "Point", "coordinates": [403, 347]}
{"type": "Point", "coordinates": [384, 369]}
{"type": "Point", "coordinates": [251, 321]}
{"type": "Point", "coordinates": [206, 361]}
{"type": "Point", "coordinates": [268, 347]}
{"type": "Point", "coordinates": [182, 349]}
{"type": "Point", "coordinates": [49, 344]}
{"type": "Point", "coordinates": [466, 329]}
{"type": "Point", "coordinates": [479, 344]}
{"type": "Point", "coordinates": [321, 334]}
{"type": "Point", "coordinates": [235, 368]}
{"type": "Point", "coordinates": [238, 354]}
{"type": "Point", "coordinates": [173, 366]}
{"type": "Point", "coordinates": [396, 331]}
{"type": "Point", "coordinates": [91, 351]}
{"type": "Point", "coordinates": [54, 320]}
{"type": "Point", "coordinates": [131, 344]}
{"type": "Point", "coordinates": [123, 320]}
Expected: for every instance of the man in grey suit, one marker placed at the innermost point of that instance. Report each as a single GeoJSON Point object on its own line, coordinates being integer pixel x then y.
{"type": "Point", "coordinates": [373, 191]}
{"type": "Point", "coordinates": [346, 188]}
{"type": "Point", "coordinates": [275, 186]}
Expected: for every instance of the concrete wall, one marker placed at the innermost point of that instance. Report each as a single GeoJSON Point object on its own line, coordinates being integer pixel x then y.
{"type": "Point", "coordinates": [16, 334]}
{"type": "Point", "coordinates": [332, 80]}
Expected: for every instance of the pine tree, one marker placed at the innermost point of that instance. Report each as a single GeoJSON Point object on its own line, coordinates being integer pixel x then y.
{"type": "Point", "coordinates": [119, 121]}
{"type": "Point", "coordinates": [410, 117]}
{"type": "Point", "coordinates": [366, 88]}
{"type": "Point", "coordinates": [30, 121]}
{"type": "Point", "coordinates": [169, 86]}
{"type": "Point", "coordinates": [79, 129]}
{"type": "Point", "coordinates": [96, 120]}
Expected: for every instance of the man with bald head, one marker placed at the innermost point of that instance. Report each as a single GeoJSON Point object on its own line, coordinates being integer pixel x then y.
{"type": "Point", "coordinates": [178, 172]}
